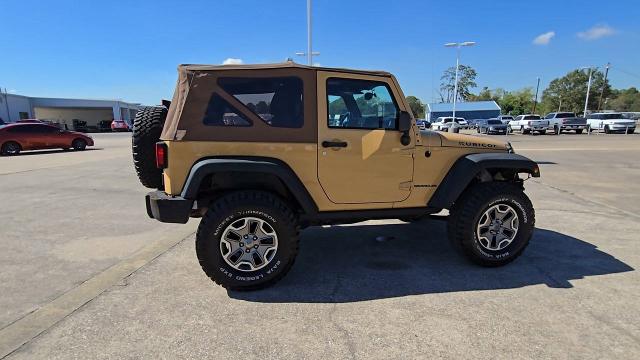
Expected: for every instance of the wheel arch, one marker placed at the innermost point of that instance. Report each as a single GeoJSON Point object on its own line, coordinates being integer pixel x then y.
{"type": "Point", "coordinates": [482, 167]}
{"type": "Point", "coordinates": [223, 174]}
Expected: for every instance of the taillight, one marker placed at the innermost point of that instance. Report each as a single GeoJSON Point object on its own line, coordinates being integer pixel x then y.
{"type": "Point", "coordinates": [161, 155]}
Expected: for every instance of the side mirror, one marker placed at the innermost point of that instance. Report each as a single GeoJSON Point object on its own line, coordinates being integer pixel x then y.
{"type": "Point", "coordinates": [404, 125]}
{"type": "Point", "coordinates": [404, 121]}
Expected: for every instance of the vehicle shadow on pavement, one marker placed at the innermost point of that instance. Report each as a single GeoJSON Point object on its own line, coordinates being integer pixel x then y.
{"type": "Point", "coordinates": [53, 151]}
{"type": "Point", "coordinates": [351, 263]}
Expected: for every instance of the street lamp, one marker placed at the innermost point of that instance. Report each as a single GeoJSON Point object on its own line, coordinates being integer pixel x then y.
{"type": "Point", "coordinates": [455, 85]}
{"type": "Point", "coordinates": [586, 101]}
{"type": "Point", "coordinates": [310, 53]}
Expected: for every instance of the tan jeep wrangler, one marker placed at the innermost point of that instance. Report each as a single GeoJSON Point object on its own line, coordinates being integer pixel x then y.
{"type": "Point", "coordinates": [261, 151]}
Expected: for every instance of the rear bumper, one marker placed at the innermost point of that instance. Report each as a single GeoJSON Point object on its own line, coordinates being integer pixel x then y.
{"type": "Point", "coordinates": [168, 209]}
{"type": "Point", "coordinates": [574, 127]}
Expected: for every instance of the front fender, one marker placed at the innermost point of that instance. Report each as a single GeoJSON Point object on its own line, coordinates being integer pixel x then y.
{"type": "Point", "coordinates": [465, 169]}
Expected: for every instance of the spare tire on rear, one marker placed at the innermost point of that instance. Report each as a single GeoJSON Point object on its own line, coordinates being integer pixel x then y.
{"type": "Point", "coordinates": [147, 127]}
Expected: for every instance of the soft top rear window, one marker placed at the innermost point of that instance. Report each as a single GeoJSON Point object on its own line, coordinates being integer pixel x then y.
{"type": "Point", "coordinates": [276, 100]}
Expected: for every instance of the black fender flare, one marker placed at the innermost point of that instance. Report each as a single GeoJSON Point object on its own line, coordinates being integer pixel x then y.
{"type": "Point", "coordinates": [276, 167]}
{"type": "Point", "coordinates": [467, 167]}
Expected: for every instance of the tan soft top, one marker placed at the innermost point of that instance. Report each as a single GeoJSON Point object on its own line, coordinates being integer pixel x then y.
{"type": "Point", "coordinates": [198, 82]}
{"type": "Point", "coordinates": [284, 65]}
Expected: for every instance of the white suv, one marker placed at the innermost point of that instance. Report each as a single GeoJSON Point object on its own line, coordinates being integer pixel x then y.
{"type": "Point", "coordinates": [446, 123]}
{"type": "Point", "coordinates": [610, 122]}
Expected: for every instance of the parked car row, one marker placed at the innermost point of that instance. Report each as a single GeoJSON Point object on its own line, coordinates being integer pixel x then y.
{"type": "Point", "coordinates": [555, 122]}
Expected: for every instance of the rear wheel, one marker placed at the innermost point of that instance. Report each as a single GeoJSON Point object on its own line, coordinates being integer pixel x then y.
{"type": "Point", "coordinates": [10, 148]}
{"type": "Point", "coordinates": [492, 223]}
{"type": "Point", "coordinates": [79, 144]}
{"type": "Point", "coordinates": [524, 131]}
{"type": "Point", "coordinates": [607, 130]}
{"type": "Point", "coordinates": [631, 131]}
{"type": "Point", "coordinates": [147, 128]}
{"type": "Point", "coordinates": [247, 240]}
{"type": "Point", "coordinates": [578, 131]}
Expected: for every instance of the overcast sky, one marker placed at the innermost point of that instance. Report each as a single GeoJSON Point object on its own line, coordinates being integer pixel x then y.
{"type": "Point", "coordinates": [130, 49]}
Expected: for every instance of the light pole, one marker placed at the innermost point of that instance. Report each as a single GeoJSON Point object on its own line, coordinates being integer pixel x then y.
{"type": "Point", "coordinates": [586, 101]}
{"type": "Point", "coordinates": [535, 101]}
{"type": "Point", "coordinates": [455, 85]}
{"type": "Point", "coordinates": [310, 53]}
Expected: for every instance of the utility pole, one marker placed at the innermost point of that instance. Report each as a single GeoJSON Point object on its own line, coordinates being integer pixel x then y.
{"type": "Point", "coordinates": [535, 102]}
{"type": "Point", "coordinates": [586, 101]}
{"type": "Point", "coordinates": [604, 84]}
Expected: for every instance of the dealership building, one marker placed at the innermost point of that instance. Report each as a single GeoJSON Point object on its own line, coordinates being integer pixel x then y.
{"type": "Point", "coordinates": [73, 113]}
{"type": "Point", "coordinates": [468, 110]}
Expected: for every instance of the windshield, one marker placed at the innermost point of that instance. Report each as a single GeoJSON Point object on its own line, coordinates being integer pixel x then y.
{"type": "Point", "coordinates": [494, 122]}
{"type": "Point", "coordinates": [532, 117]}
{"type": "Point", "coordinates": [612, 116]}
{"type": "Point", "coordinates": [565, 115]}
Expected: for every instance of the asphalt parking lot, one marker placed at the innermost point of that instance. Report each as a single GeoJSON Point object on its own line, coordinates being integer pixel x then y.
{"type": "Point", "coordinates": [85, 274]}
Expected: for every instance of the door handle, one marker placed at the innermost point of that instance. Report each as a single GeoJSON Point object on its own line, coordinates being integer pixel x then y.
{"type": "Point", "coordinates": [338, 144]}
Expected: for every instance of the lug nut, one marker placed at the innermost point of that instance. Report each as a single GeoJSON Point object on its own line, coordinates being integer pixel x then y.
{"type": "Point", "coordinates": [247, 250]}
{"type": "Point", "coordinates": [255, 237]}
{"type": "Point", "coordinates": [255, 246]}
{"type": "Point", "coordinates": [241, 244]}
{"type": "Point", "coordinates": [246, 237]}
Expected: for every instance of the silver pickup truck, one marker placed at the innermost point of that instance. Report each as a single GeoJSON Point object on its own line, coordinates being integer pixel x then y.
{"type": "Point", "coordinates": [559, 121]}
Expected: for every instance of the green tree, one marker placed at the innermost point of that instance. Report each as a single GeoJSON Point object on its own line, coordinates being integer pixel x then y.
{"type": "Point", "coordinates": [624, 100]}
{"type": "Point", "coordinates": [417, 107]}
{"type": "Point", "coordinates": [466, 82]}
{"type": "Point", "coordinates": [568, 93]}
{"type": "Point", "coordinates": [517, 102]}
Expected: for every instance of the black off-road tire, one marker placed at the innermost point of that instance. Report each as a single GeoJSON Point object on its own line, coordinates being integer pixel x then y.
{"type": "Point", "coordinates": [467, 211]}
{"type": "Point", "coordinates": [147, 127]}
{"type": "Point", "coordinates": [232, 208]}
{"type": "Point", "coordinates": [578, 131]}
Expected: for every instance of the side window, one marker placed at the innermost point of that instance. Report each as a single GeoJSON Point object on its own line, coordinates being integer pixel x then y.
{"type": "Point", "coordinates": [221, 113]}
{"type": "Point", "coordinates": [360, 104]}
{"type": "Point", "coordinates": [277, 101]}
{"type": "Point", "coordinates": [519, 117]}
{"type": "Point", "coordinates": [549, 116]}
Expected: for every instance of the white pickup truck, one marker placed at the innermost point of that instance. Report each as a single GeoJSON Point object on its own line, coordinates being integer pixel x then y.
{"type": "Point", "coordinates": [610, 122]}
{"type": "Point", "coordinates": [528, 123]}
{"type": "Point", "coordinates": [559, 121]}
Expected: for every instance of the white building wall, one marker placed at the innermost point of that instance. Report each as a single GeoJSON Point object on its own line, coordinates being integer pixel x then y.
{"type": "Point", "coordinates": [12, 105]}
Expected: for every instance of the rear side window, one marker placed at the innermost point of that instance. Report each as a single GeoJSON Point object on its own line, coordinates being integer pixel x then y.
{"type": "Point", "coordinates": [221, 113]}
{"type": "Point", "coordinates": [276, 100]}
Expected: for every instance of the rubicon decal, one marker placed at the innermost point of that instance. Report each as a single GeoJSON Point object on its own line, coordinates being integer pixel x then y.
{"type": "Point", "coordinates": [479, 145]}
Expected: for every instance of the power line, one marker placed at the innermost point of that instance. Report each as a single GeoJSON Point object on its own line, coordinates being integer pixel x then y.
{"type": "Point", "coordinates": [625, 71]}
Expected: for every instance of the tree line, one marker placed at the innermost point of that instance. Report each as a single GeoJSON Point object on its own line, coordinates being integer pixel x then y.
{"type": "Point", "coordinates": [566, 93]}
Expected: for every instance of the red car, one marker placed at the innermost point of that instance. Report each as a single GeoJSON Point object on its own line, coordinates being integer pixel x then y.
{"type": "Point", "coordinates": [32, 136]}
{"type": "Point", "coordinates": [119, 125]}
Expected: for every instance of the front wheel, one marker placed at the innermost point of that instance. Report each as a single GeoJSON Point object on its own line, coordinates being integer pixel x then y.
{"type": "Point", "coordinates": [247, 240]}
{"type": "Point", "coordinates": [492, 223]}
{"type": "Point", "coordinates": [578, 131]}
{"type": "Point", "coordinates": [607, 130]}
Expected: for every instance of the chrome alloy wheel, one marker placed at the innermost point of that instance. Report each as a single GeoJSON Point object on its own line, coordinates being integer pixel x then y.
{"type": "Point", "coordinates": [248, 244]}
{"type": "Point", "coordinates": [497, 227]}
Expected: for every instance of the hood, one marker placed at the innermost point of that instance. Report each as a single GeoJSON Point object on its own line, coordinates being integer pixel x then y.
{"type": "Point", "coordinates": [470, 141]}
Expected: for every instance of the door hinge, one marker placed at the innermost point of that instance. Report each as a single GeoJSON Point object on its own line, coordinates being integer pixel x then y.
{"type": "Point", "coordinates": [406, 185]}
